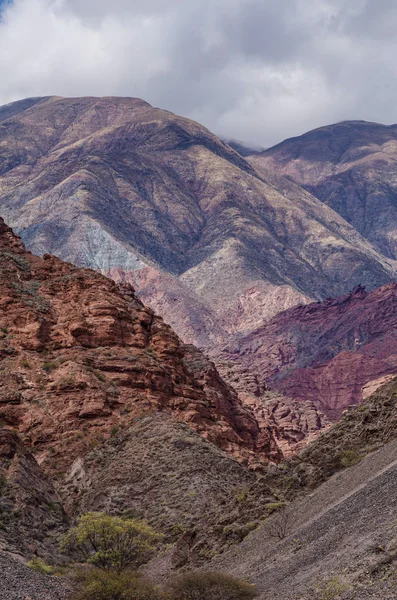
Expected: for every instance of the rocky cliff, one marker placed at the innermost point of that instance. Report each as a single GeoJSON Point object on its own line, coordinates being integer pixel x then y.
{"type": "Point", "coordinates": [31, 512]}
{"type": "Point", "coordinates": [81, 356]}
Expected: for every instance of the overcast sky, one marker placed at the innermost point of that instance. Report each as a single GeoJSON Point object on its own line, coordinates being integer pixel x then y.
{"type": "Point", "coordinates": [253, 70]}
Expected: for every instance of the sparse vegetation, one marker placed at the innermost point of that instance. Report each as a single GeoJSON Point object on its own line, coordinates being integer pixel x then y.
{"type": "Point", "coordinates": [330, 589]}
{"type": "Point", "coordinates": [94, 584]}
{"type": "Point", "coordinates": [19, 261]}
{"type": "Point", "coordinates": [280, 525]}
{"type": "Point", "coordinates": [201, 585]}
{"type": "Point", "coordinates": [27, 291]}
{"type": "Point", "coordinates": [49, 366]}
{"type": "Point", "coordinates": [37, 564]}
{"type": "Point", "coordinates": [349, 458]}
{"type": "Point", "coordinates": [272, 507]}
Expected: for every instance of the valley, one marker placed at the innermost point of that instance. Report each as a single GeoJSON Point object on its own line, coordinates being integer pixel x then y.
{"type": "Point", "coordinates": [199, 336]}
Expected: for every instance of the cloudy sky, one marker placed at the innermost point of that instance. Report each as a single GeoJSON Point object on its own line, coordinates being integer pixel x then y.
{"type": "Point", "coordinates": [253, 70]}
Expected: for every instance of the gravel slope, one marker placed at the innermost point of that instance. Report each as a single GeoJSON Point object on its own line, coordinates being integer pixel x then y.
{"type": "Point", "coordinates": [346, 529]}
{"type": "Point", "coordinates": [18, 582]}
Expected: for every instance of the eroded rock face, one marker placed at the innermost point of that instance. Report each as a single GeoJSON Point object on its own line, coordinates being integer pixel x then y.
{"type": "Point", "coordinates": [82, 356]}
{"type": "Point", "coordinates": [325, 352]}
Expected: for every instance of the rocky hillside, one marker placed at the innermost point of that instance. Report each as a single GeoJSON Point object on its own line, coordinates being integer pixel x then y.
{"type": "Point", "coordinates": [334, 353]}
{"type": "Point", "coordinates": [119, 186]}
{"type": "Point", "coordinates": [351, 167]}
{"type": "Point", "coordinates": [31, 512]}
{"type": "Point", "coordinates": [341, 538]}
{"type": "Point", "coordinates": [81, 357]}
{"type": "Point", "coordinates": [102, 407]}
{"type": "Point", "coordinates": [162, 471]}
{"type": "Point", "coordinates": [19, 581]}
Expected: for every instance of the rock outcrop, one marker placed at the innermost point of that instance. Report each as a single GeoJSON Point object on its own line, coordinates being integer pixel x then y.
{"type": "Point", "coordinates": [82, 356]}
{"type": "Point", "coordinates": [31, 512]}
{"type": "Point", "coordinates": [324, 352]}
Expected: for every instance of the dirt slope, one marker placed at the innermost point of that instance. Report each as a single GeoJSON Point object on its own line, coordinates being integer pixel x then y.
{"type": "Point", "coordinates": [345, 529]}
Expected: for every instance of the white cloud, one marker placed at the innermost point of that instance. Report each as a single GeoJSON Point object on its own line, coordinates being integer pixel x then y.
{"type": "Point", "coordinates": [256, 70]}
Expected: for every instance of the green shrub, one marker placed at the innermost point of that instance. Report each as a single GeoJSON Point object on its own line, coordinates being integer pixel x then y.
{"type": "Point", "coordinates": [37, 564]}
{"type": "Point", "coordinates": [200, 585]}
{"type": "Point", "coordinates": [349, 458]}
{"type": "Point", "coordinates": [101, 585]}
{"type": "Point", "coordinates": [111, 543]}
{"type": "Point", "coordinates": [48, 366]}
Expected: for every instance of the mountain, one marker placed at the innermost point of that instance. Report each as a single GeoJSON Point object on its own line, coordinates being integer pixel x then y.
{"type": "Point", "coordinates": [351, 167]}
{"type": "Point", "coordinates": [333, 353]}
{"type": "Point", "coordinates": [95, 390]}
{"type": "Point", "coordinates": [157, 200]}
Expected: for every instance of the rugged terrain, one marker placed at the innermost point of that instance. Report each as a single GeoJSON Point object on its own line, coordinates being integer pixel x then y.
{"type": "Point", "coordinates": [114, 412]}
{"type": "Point", "coordinates": [81, 355]}
{"type": "Point", "coordinates": [333, 353]}
{"type": "Point", "coordinates": [92, 381]}
{"type": "Point", "coordinates": [119, 186]}
{"type": "Point", "coordinates": [343, 531]}
{"type": "Point", "coordinates": [340, 528]}
{"type": "Point", "coordinates": [351, 167]}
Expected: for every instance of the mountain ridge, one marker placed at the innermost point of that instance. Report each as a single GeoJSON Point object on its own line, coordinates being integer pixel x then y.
{"type": "Point", "coordinates": [119, 186]}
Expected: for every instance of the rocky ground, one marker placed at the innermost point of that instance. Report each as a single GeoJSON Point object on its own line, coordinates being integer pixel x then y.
{"type": "Point", "coordinates": [18, 582]}
{"type": "Point", "coordinates": [338, 526]}
{"type": "Point", "coordinates": [345, 531]}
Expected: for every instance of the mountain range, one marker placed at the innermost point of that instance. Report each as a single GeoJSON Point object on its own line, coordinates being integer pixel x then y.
{"type": "Point", "coordinates": [182, 320]}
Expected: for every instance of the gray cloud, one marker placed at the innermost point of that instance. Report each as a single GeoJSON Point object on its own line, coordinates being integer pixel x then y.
{"type": "Point", "coordinates": [255, 70]}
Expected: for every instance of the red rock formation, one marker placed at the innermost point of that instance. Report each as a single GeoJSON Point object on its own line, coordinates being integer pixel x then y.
{"type": "Point", "coordinates": [325, 352]}
{"type": "Point", "coordinates": [81, 356]}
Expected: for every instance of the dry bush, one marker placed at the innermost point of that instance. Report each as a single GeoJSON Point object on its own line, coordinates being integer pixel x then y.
{"type": "Point", "coordinates": [280, 524]}
{"type": "Point", "coordinates": [96, 584]}
{"type": "Point", "coordinates": [200, 585]}
{"type": "Point", "coordinates": [330, 589]}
